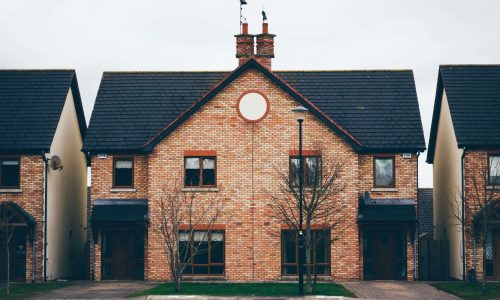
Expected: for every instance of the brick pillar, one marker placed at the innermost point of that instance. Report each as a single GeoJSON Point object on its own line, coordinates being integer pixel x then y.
{"type": "Point", "coordinates": [265, 46]}
{"type": "Point", "coordinates": [245, 44]}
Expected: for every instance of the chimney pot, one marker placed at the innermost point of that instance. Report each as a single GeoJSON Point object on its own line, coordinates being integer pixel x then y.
{"type": "Point", "coordinates": [265, 27]}
{"type": "Point", "coordinates": [244, 28]}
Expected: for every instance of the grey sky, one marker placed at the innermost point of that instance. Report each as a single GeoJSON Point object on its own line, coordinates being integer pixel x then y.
{"type": "Point", "coordinates": [92, 36]}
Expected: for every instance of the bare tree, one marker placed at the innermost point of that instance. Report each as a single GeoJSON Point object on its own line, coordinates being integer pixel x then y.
{"type": "Point", "coordinates": [323, 210]}
{"type": "Point", "coordinates": [7, 232]}
{"type": "Point", "coordinates": [482, 208]}
{"type": "Point", "coordinates": [184, 218]}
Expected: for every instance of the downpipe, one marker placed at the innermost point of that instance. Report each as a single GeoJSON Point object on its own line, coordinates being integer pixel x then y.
{"type": "Point", "coordinates": [464, 271]}
{"type": "Point", "coordinates": [46, 161]}
{"type": "Point", "coordinates": [33, 254]}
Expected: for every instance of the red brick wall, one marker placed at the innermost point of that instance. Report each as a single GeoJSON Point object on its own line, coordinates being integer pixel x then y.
{"type": "Point", "coordinates": [476, 163]}
{"type": "Point", "coordinates": [31, 199]}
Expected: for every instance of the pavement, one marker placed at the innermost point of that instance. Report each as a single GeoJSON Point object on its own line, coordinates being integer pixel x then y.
{"type": "Point", "coordinates": [97, 290]}
{"type": "Point", "coordinates": [401, 290]}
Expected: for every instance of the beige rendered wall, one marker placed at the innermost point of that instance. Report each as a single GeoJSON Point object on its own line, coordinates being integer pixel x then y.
{"type": "Point", "coordinates": [67, 215]}
{"type": "Point", "coordinates": [448, 188]}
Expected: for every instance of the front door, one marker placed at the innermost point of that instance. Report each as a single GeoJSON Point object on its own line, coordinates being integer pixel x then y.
{"type": "Point", "coordinates": [17, 251]}
{"type": "Point", "coordinates": [492, 256]}
{"type": "Point", "coordinates": [122, 255]}
{"type": "Point", "coordinates": [384, 255]}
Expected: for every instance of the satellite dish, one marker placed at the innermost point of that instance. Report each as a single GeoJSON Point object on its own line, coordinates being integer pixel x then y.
{"type": "Point", "coordinates": [55, 163]}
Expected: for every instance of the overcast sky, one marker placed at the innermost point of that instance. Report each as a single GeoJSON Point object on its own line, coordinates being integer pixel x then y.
{"type": "Point", "coordinates": [104, 35]}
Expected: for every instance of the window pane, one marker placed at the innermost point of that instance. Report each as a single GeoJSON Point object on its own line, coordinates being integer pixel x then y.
{"type": "Point", "coordinates": [216, 252]}
{"type": "Point", "coordinates": [384, 172]}
{"type": "Point", "coordinates": [217, 270]}
{"type": "Point", "coordinates": [192, 171]}
{"type": "Point", "coordinates": [184, 251]}
{"type": "Point", "coordinates": [495, 170]}
{"type": "Point", "coordinates": [123, 173]}
{"type": "Point", "coordinates": [208, 171]}
{"type": "Point", "coordinates": [289, 247]}
{"type": "Point", "coordinates": [321, 248]}
{"type": "Point", "coordinates": [294, 171]}
{"type": "Point", "coordinates": [313, 171]}
{"type": "Point", "coordinates": [202, 253]}
{"type": "Point", "coordinates": [200, 270]}
{"type": "Point", "coordinates": [10, 173]}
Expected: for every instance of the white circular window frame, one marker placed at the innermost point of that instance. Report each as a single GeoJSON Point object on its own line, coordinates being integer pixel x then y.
{"type": "Point", "coordinates": [252, 106]}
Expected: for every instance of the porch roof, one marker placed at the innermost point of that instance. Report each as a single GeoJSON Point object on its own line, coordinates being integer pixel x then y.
{"type": "Point", "coordinates": [120, 210]}
{"type": "Point", "coordinates": [387, 211]}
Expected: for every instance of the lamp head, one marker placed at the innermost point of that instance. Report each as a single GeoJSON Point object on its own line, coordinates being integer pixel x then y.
{"type": "Point", "coordinates": [300, 112]}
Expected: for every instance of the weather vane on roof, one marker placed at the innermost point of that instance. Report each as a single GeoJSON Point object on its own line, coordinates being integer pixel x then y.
{"type": "Point", "coordinates": [242, 2]}
{"type": "Point", "coordinates": [264, 16]}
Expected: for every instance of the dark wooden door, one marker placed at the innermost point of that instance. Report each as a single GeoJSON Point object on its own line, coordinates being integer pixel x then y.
{"type": "Point", "coordinates": [123, 255]}
{"type": "Point", "coordinates": [17, 258]}
{"type": "Point", "coordinates": [384, 259]}
{"type": "Point", "coordinates": [119, 255]}
{"type": "Point", "coordinates": [496, 253]}
{"type": "Point", "coordinates": [383, 255]}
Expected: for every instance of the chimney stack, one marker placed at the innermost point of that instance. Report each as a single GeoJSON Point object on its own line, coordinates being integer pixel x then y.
{"type": "Point", "coordinates": [265, 46]}
{"type": "Point", "coordinates": [245, 44]}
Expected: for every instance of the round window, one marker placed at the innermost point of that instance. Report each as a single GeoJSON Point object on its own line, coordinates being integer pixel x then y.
{"type": "Point", "coordinates": [252, 107]}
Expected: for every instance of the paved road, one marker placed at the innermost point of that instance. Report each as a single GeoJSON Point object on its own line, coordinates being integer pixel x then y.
{"type": "Point", "coordinates": [400, 290]}
{"type": "Point", "coordinates": [99, 290]}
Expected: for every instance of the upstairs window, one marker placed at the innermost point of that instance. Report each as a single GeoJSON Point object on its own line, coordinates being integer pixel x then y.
{"type": "Point", "coordinates": [9, 172]}
{"type": "Point", "coordinates": [199, 171]}
{"type": "Point", "coordinates": [384, 172]}
{"type": "Point", "coordinates": [123, 172]}
{"type": "Point", "coordinates": [311, 174]}
{"type": "Point", "coordinates": [494, 170]}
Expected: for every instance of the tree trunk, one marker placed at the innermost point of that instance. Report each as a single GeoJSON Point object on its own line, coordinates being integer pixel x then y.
{"type": "Point", "coordinates": [8, 269]}
{"type": "Point", "coordinates": [308, 257]}
{"type": "Point", "coordinates": [178, 287]}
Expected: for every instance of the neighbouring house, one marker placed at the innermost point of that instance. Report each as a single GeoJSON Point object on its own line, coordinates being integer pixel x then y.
{"type": "Point", "coordinates": [149, 130]}
{"type": "Point", "coordinates": [42, 174]}
{"type": "Point", "coordinates": [464, 148]}
{"type": "Point", "coordinates": [425, 216]}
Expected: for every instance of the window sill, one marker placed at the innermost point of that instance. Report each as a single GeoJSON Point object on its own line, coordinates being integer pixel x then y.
{"type": "Point", "coordinates": [384, 190]}
{"type": "Point", "coordinates": [490, 187]}
{"type": "Point", "coordinates": [11, 191]}
{"type": "Point", "coordinates": [204, 278]}
{"type": "Point", "coordinates": [295, 277]}
{"type": "Point", "coordinates": [200, 189]}
{"type": "Point", "coordinates": [122, 190]}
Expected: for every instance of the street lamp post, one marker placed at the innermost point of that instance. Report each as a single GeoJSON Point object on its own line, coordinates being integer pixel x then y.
{"type": "Point", "coordinates": [300, 111]}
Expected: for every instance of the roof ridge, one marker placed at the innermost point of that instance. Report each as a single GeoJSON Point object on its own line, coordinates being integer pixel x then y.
{"type": "Point", "coordinates": [162, 72]}
{"type": "Point", "coordinates": [36, 70]}
{"type": "Point", "coordinates": [470, 65]}
{"type": "Point", "coordinates": [345, 70]}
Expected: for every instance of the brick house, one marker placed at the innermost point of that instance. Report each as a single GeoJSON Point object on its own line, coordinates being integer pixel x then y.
{"type": "Point", "coordinates": [41, 121]}
{"type": "Point", "coordinates": [148, 129]}
{"type": "Point", "coordinates": [464, 146]}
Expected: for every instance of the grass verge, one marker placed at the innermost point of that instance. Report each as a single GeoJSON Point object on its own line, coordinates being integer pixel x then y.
{"type": "Point", "coordinates": [243, 289]}
{"type": "Point", "coordinates": [23, 290]}
{"type": "Point", "coordinates": [467, 290]}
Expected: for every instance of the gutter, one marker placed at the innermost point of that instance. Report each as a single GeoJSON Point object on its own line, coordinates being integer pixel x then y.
{"type": "Point", "coordinates": [45, 218]}
{"type": "Point", "coordinates": [33, 255]}
{"type": "Point", "coordinates": [416, 236]}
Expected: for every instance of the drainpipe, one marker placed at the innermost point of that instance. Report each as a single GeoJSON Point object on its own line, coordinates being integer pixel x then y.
{"type": "Point", "coordinates": [45, 218]}
{"type": "Point", "coordinates": [463, 222]}
{"type": "Point", "coordinates": [93, 258]}
{"type": "Point", "coordinates": [415, 235]}
{"type": "Point", "coordinates": [33, 254]}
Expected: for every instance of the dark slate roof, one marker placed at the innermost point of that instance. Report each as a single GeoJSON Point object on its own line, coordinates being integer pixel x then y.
{"type": "Point", "coordinates": [379, 108]}
{"type": "Point", "coordinates": [425, 212]}
{"type": "Point", "coordinates": [473, 93]}
{"type": "Point", "coordinates": [31, 102]}
{"type": "Point", "coordinates": [373, 110]}
{"type": "Point", "coordinates": [120, 210]}
{"type": "Point", "coordinates": [387, 211]}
